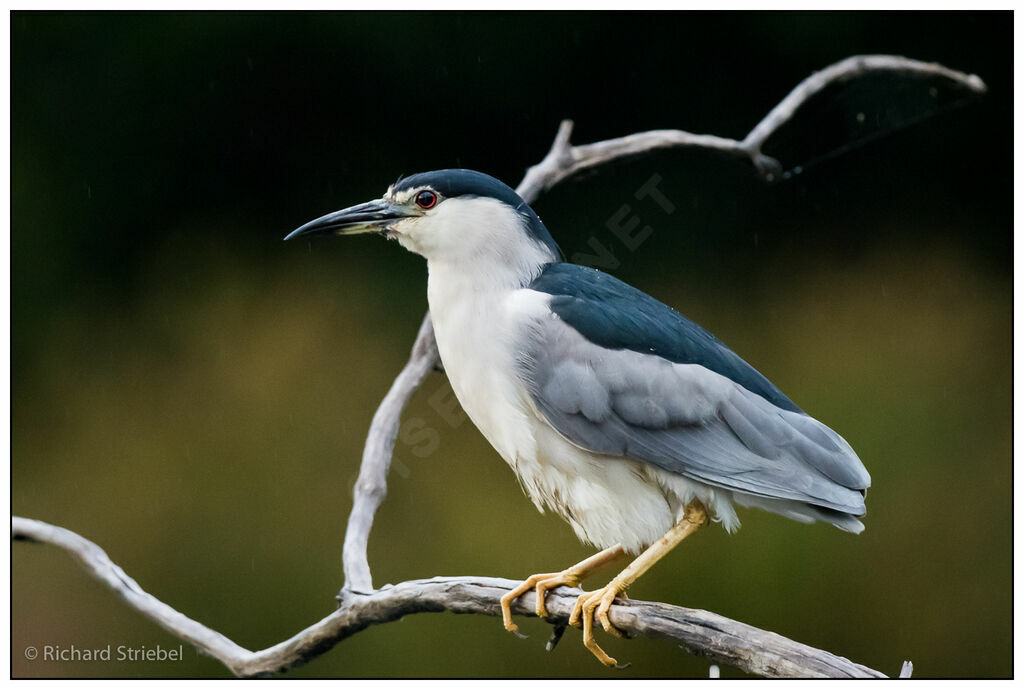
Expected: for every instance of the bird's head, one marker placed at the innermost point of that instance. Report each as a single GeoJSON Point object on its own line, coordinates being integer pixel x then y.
{"type": "Point", "coordinates": [450, 216]}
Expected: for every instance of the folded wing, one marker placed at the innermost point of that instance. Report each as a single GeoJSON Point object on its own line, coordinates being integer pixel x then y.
{"type": "Point", "coordinates": [618, 373]}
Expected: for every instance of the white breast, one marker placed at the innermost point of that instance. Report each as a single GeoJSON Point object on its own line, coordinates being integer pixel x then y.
{"type": "Point", "coordinates": [606, 500]}
{"type": "Point", "coordinates": [474, 335]}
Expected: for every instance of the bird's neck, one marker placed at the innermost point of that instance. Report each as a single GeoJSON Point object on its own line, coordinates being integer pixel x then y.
{"type": "Point", "coordinates": [452, 288]}
{"type": "Point", "coordinates": [490, 271]}
{"type": "Point", "coordinates": [463, 295]}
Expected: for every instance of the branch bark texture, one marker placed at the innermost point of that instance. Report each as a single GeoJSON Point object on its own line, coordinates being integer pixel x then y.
{"type": "Point", "coordinates": [720, 639]}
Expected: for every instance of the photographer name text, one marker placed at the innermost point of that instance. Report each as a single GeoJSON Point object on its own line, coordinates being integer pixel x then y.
{"type": "Point", "coordinates": [52, 652]}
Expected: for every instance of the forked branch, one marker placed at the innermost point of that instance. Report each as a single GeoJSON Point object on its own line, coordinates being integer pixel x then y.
{"type": "Point", "coordinates": [720, 639]}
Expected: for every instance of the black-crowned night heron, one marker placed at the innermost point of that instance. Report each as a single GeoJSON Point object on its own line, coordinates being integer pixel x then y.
{"type": "Point", "coordinates": [632, 423]}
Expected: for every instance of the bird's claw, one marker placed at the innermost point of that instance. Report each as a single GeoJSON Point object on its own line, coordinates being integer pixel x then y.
{"type": "Point", "coordinates": [515, 631]}
{"type": "Point", "coordinates": [541, 583]}
{"type": "Point", "coordinates": [571, 577]}
{"type": "Point", "coordinates": [589, 605]}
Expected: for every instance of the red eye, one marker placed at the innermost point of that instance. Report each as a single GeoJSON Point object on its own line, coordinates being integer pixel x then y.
{"type": "Point", "coordinates": [426, 199]}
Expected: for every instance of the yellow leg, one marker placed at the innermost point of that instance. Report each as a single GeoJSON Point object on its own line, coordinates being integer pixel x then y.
{"type": "Point", "coordinates": [601, 599]}
{"type": "Point", "coordinates": [570, 577]}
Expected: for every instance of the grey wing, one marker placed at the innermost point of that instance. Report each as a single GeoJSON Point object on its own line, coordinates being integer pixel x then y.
{"type": "Point", "coordinates": [689, 420]}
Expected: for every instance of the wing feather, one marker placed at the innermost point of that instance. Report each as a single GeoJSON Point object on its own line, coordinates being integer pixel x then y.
{"type": "Point", "coordinates": [684, 417]}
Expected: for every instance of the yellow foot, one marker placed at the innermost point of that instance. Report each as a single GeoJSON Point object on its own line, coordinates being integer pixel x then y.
{"type": "Point", "coordinates": [597, 603]}
{"type": "Point", "coordinates": [542, 583]}
{"type": "Point", "coordinates": [570, 577]}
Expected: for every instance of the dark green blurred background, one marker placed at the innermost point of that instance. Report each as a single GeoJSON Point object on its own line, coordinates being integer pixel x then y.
{"type": "Point", "coordinates": [193, 394]}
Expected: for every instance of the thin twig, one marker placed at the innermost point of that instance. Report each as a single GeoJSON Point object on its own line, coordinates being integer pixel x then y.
{"type": "Point", "coordinates": [847, 69]}
{"type": "Point", "coordinates": [564, 160]}
{"type": "Point", "coordinates": [720, 639]}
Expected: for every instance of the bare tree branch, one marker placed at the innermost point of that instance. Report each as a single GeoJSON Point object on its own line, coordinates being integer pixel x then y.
{"type": "Point", "coordinates": [564, 161]}
{"type": "Point", "coordinates": [98, 564]}
{"type": "Point", "coordinates": [720, 639]}
{"type": "Point", "coordinates": [700, 632]}
{"type": "Point", "coordinates": [847, 69]}
{"type": "Point", "coordinates": [372, 484]}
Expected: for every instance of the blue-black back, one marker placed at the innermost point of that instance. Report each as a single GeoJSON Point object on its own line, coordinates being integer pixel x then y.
{"type": "Point", "coordinates": [617, 316]}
